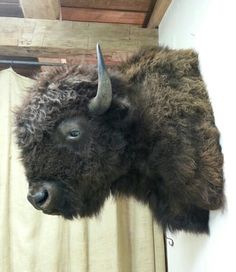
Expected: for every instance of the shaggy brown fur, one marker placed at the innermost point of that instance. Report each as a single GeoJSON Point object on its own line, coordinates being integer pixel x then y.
{"type": "Point", "coordinates": [158, 141]}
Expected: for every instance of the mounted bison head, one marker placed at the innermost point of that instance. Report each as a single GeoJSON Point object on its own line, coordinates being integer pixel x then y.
{"type": "Point", "coordinates": [145, 130]}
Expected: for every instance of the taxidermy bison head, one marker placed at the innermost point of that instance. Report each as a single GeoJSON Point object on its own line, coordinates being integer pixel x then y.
{"type": "Point", "coordinates": [145, 129]}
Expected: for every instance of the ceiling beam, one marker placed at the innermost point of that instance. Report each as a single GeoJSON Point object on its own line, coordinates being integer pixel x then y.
{"type": "Point", "coordinates": [52, 38]}
{"type": "Point", "coordinates": [131, 5]}
{"type": "Point", "coordinates": [158, 12]}
{"type": "Point", "coordinates": [103, 16]}
{"type": "Point", "coordinates": [46, 9]}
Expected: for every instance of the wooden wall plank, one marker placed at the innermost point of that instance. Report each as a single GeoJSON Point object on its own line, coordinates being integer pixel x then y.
{"type": "Point", "coordinates": [103, 16]}
{"type": "Point", "coordinates": [132, 5]}
{"type": "Point", "coordinates": [52, 38]}
{"type": "Point", "coordinates": [158, 12]}
{"type": "Point", "coordinates": [46, 9]}
{"type": "Point", "coordinates": [110, 59]}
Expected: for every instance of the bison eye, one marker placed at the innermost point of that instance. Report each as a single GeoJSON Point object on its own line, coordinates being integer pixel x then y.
{"type": "Point", "coordinates": [73, 134]}
{"type": "Point", "coordinates": [70, 131]}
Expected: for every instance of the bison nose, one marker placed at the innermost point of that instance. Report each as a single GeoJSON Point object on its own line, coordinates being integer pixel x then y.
{"type": "Point", "coordinates": [37, 199]}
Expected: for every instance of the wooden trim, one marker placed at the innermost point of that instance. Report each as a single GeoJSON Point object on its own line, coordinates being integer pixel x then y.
{"type": "Point", "coordinates": [131, 5]}
{"type": "Point", "coordinates": [52, 38]}
{"type": "Point", "coordinates": [38, 9]}
{"type": "Point", "coordinates": [149, 13]}
{"type": "Point", "coordinates": [158, 13]}
{"type": "Point", "coordinates": [103, 16]}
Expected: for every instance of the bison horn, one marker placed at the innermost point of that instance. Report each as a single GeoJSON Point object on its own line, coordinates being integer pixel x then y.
{"type": "Point", "coordinates": [102, 101]}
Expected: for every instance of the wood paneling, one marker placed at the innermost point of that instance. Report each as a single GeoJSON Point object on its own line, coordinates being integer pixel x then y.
{"type": "Point", "coordinates": [132, 5]}
{"type": "Point", "coordinates": [110, 59]}
{"type": "Point", "coordinates": [51, 38]}
{"type": "Point", "coordinates": [46, 9]}
{"type": "Point", "coordinates": [158, 13]}
{"type": "Point", "coordinates": [103, 16]}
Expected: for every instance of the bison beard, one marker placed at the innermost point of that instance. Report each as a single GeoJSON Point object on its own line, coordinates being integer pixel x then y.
{"type": "Point", "coordinates": [144, 130]}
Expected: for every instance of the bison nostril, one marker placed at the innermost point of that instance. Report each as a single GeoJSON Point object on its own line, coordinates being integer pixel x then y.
{"type": "Point", "coordinates": [41, 197]}
{"type": "Point", "coordinates": [38, 198]}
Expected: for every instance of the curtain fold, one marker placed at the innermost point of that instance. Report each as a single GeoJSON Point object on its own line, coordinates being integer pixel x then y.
{"type": "Point", "coordinates": [123, 238]}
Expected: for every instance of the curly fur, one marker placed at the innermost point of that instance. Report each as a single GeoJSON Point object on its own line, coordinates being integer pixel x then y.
{"type": "Point", "coordinates": [158, 141]}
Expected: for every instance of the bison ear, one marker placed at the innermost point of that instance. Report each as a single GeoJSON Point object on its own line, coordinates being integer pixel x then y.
{"type": "Point", "coordinates": [102, 101]}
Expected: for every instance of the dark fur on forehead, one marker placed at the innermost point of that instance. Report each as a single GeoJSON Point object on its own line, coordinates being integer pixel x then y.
{"type": "Point", "coordinates": [64, 89]}
{"type": "Point", "coordinates": [66, 75]}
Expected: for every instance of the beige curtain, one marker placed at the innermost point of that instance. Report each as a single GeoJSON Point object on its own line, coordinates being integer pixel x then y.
{"type": "Point", "coordinates": [123, 238]}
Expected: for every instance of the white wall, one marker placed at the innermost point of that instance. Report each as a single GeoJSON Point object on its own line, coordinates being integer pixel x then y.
{"type": "Point", "coordinates": [209, 26]}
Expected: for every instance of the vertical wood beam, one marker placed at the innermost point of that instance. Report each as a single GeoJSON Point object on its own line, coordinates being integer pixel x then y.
{"type": "Point", "coordinates": [158, 12]}
{"type": "Point", "coordinates": [38, 9]}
